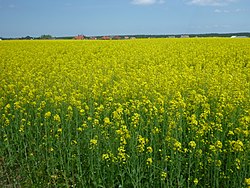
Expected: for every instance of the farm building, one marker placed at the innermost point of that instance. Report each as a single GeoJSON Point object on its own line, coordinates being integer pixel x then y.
{"type": "Point", "coordinates": [116, 37]}
{"type": "Point", "coordinates": [106, 38]}
{"type": "Point", "coordinates": [79, 37]}
{"type": "Point", "coordinates": [239, 37]}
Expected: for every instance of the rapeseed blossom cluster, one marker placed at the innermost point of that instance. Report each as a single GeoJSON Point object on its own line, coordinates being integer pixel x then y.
{"type": "Point", "coordinates": [132, 113]}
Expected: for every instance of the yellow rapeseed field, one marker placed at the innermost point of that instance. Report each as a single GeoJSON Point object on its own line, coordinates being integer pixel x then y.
{"type": "Point", "coordinates": [125, 113]}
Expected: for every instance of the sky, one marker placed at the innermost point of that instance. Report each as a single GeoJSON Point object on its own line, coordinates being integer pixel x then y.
{"type": "Point", "coordinates": [20, 18]}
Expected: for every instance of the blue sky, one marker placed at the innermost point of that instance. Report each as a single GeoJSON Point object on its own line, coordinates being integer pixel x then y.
{"type": "Point", "coordinates": [120, 17]}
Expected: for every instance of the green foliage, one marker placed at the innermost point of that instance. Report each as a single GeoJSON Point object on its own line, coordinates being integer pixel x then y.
{"type": "Point", "coordinates": [46, 37]}
{"type": "Point", "coordinates": [134, 113]}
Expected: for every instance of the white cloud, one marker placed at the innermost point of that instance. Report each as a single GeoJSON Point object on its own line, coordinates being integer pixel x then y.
{"type": "Point", "coordinates": [218, 11]}
{"type": "Point", "coordinates": [221, 11]}
{"type": "Point", "coordinates": [161, 1]}
{"type": "Point", "coordinates": [229, 11]}
{"type": "Point", "coordinates": [147, 2]}
{"type": "Point", "coordinates": [241, 10]}
{"type": "Point", "coordinates": [211, 2]}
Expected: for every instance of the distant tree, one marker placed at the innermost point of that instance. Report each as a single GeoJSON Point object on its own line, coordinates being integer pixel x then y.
{"type": "Point", "coordinates": [28, 38]}
{"type": "Point", "coordinates": [46, 37]}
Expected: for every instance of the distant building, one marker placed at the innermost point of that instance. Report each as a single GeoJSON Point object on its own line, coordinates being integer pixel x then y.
{"type": "Point", "coordinates": [126, 37]}
{"type": "Point", "coordinates": [116, 37]}
{"type": "Point", "coordinates": [106, 38]}
{"type": "Point", "coordinates": [184, 36]}
{"type": "Point", "coordinates": [239, 37]}
{"type": "Point", "coordinates": [171, 36]}
{"type": "Point", "coordinates": [79, 37]}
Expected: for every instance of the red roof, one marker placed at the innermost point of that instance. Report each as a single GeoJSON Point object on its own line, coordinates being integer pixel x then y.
{"type": "Point", "coordinates": [79, 37]}
{"type": "Point", "coordinates": [105, 37]}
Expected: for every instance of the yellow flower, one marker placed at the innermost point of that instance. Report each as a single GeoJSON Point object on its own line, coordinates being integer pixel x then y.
{"type": "Point", "coordinates": [105, 156]}
{"type": "Point", "coordinates": [177, 145]}
{"type": "Point", "coordinates": [7, 106]}
{"type": "Point", "coordinates": [192, 144]}
{"type": "Point", "coordinates": [163, 175]}
{"type": "Point", "coordinates": [237, 163]}
{"type": "Point", "coordinates": [230, 133]}
{"type": "Point", "coordinates": [156, 130]}
{"type": "Point", "coordinates": [57, 118]}
{"type": "Point", "coordinates": [142, 142]}
{"type": "Point", "coordinates": [149, 161]}
{"type": "Point", "coordinates": [193, 120]}
{"type": "Point", "coordinates": [149, 149]}
{"type": "Point", "coordinates": [218, 163]}
{"type": "Point", "coordinates": [47, 115]}
{"type": "Point", "coordinates": [17, 105]}
{"type": "Point", "coordinates": [21, 129]}
{"type": "Point", "coordinates": [73, 142]}
{"type": "Point", "coordinates": [54, 176]}
{"type": "Point", "coordinates": [122, 156]}
{"type": "Point", "coordinates": [82, 111]}
{"type": "Point", "coordinates": [237, 145]}
{"type": "Point", "coordinates": [196, 181]}
{"type": "Point", "coordinates": [80, 129]}
{"type": "Point", "coordinates": [93, 142]}
{"type": "Point", "coordinates": [212, 148]}
{"type": "Point", "coordinates": [106, 121]}
{"type": "Point", "coordinates": [96, 122]}
{"type": "Point", "coordinates": [70, 108]}
{"type": "Point", "coordinates": [167, 158]}
{"type": "Point", "coordinates": [218, 144]}
{"type": "Point", "coordinates": [247, 181]}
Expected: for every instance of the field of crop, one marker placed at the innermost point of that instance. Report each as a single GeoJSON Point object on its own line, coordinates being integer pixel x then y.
{"type": "Point", "coordinates": [131, 113]}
